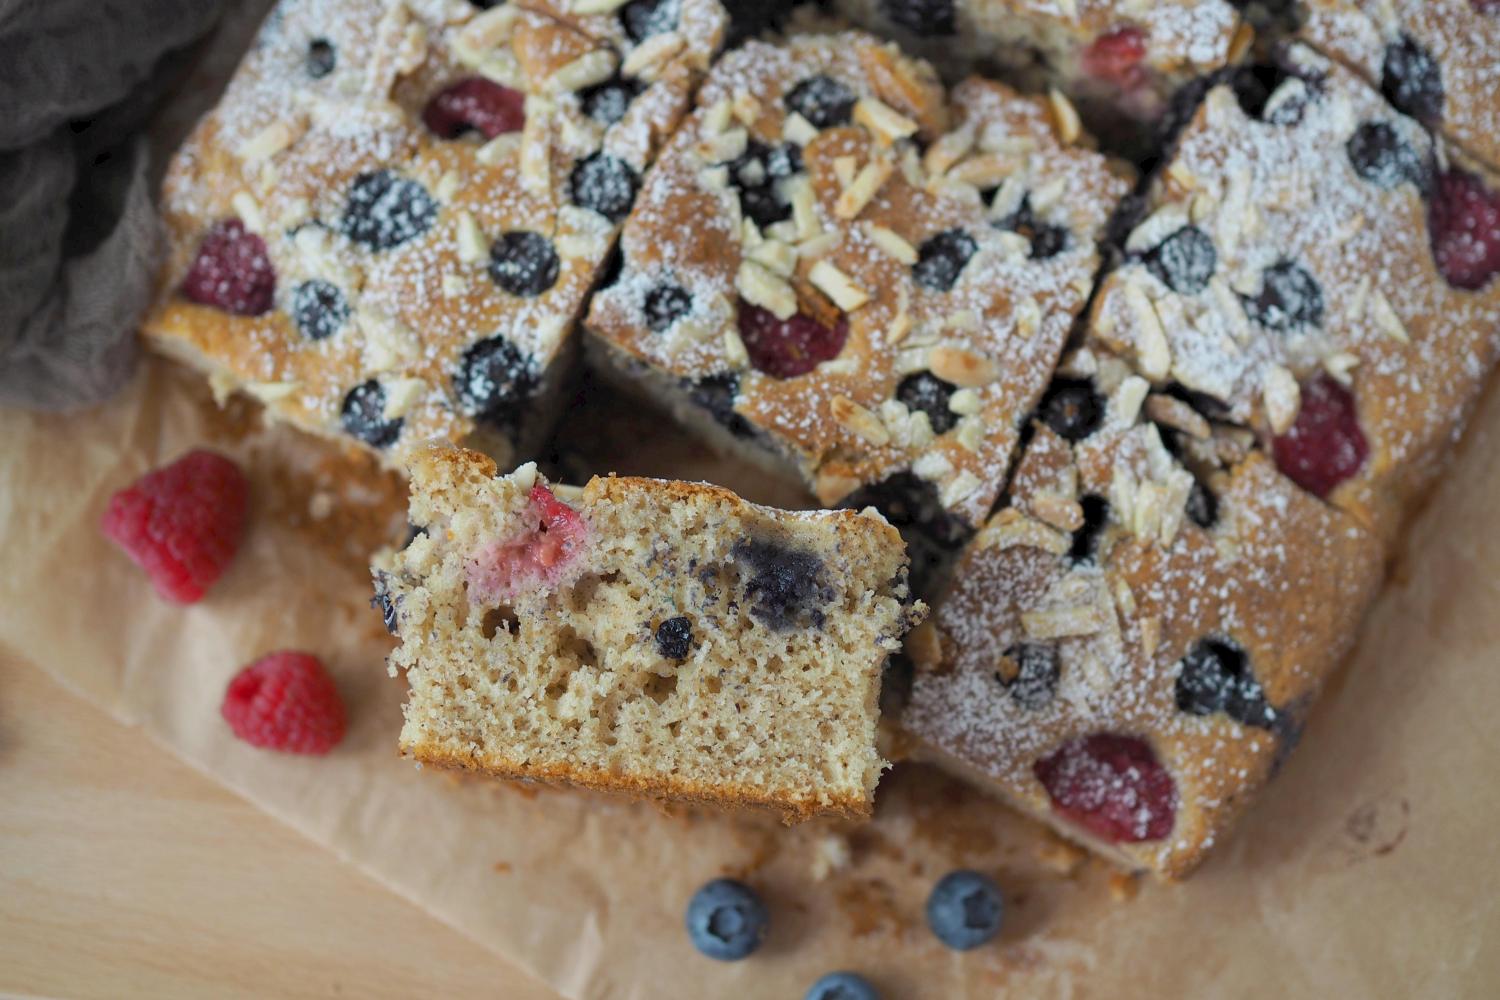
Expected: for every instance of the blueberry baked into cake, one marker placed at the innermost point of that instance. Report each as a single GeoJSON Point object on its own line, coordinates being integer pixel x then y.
{"type": "Point", "coordinates": [388, 226]}
{"type": "Point", "coordinates": [1314, 267]}
{"type": "Point", "coordinates": [1120, 61]}
{"type": "Point", "coordinates": [650, 637]}
{"type": "Point", "coordinates": [848, 276]}
{"type": "Point", "coordinates": [1131, 644]}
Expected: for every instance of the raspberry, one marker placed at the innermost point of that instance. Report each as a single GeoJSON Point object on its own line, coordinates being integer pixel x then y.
{"type": "Point", "coordinates": [1112, 786]}
{"type": "Point", "coordinates": [231, 271]}
{"type": "Point", "coordinates": [1117, 56]}
{"type": "Point", "coordinates": [1464, 222]}
{"type": "Point", "coordinates": [285, 701]}
{"type": "Point", "coordinates": [181, 523]}
{"type": "Point", "coordinates": [475, 103]}
{"type": "Point", "coordinates": [537, 558]}
{"type": "Point", "coordinates": [788, 347]}
{"type": "Point", "coordinates": [1325, 446]}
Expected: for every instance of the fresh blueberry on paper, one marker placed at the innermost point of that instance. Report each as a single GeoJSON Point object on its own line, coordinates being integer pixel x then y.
{"type": "Point", "coordinates": [726, 920]}
{"type": "Point", "coordinates": [385, 210]}
{"type": "Point", "coordinates": [842, 986]}
{"type": "Point", "coordinates": [965, 910]}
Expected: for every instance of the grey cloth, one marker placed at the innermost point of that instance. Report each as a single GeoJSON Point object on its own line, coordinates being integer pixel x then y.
{"type": "Point", "coordinates": [79, 238]}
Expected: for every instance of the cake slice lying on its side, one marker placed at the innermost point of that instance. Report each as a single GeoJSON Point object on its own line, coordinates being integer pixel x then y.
{"type": "Point", "coordinates": [650, 637]}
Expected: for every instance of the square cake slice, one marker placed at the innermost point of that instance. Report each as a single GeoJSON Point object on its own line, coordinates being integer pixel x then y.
{"type": "Point", "coordinates": [388, 226]}
{"type": "Point", "coordinates": [844, 273]}
{"type": "Point", "coordinates": [659, 638]}
{"type": "Point", "coordinates": [1314, 267]}
{"type": "Point", "coordinates": [1131, 646]}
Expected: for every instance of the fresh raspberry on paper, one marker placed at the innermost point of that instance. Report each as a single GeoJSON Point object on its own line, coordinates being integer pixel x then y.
{"type": "Point", "coordinates": [789, 347]}
{"type": "Point", "coordinates": [181, 523]}
{"type": "Point", "coordinates": [1326, 445]}
{"type": "Point", "coordinates": [285, 701]}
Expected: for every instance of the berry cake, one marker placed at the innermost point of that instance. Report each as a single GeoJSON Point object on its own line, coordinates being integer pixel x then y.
{"type": "Point", "coordinates": [839, 273]}
{"type": "Point", "coordinates": [1119, 60]}
{"type": "Point", "coordinates": [1128, 648]}
{"type": "Point", "coordinates": [1311, 267]}
{"type": "Point", "coordinates": [388, 226]}
{"type": "Point", "coordinates": [650, 637]}
{"type": "Point", "coordinates": [1436, 60]}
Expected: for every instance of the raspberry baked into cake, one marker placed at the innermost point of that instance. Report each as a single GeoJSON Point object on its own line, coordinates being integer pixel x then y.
{"type": "Point", "coordinates": [847, 276]}
{"type": "Point", "coordinates": [1312, 266]}
{"type": "Point", "coordinates": [1119, 60]}
{"type": "Point", "coordinates": [635, 635]}
{"type": "Point", "coordinates": [1131, 644]}
{"type": "Point", "coordinates": [1435, 60]}
{"type": "Point", "coordinates": [388, 226]}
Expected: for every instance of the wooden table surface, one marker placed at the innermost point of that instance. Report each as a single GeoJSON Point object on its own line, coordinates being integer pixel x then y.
{"type": "Point", "coordinates": [124, 873]}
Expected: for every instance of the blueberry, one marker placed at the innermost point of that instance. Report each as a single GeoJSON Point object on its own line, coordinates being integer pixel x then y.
{"type": "Point", "coordinates": [754, 174]}
{"type": "Point", "coordinates": [1412, 80]}
{"type": "Point", "coordinates": [644, 18]}
{"type": "Point", "coordinates": [1254, 85]}
{"type": "Point", "coordinates": [823, 101]}
{"type": "Point", "coordinates": [787, 587]}
{"type": "Point", "coordinates": [1036, 672]}
{"type": "Point", "coordinates": [1382, 157]}
{"type": "Point", "coordinates": [524, 263]}
{"type": "Point", "coordinates": [1046, 240]}
{"type": "Point", "coordinates": [494, 378]}
{"type": "Point", "coordinates": [666, 304]}
{"type": "Point", "coordinates": [965, 910]}
{"type": "Point", "coordinates": [607, 102]}
{"type": "Point", "coordinates": [321, 58]}
{"type": "Point", "coordinates": [674, 637]}
{"type": "Point", "coordinates": [385, 210]}
{"type": "Point", "coordinates": [909, 501]}
{"type": "Point", "coordinates": [924, 17]}
{"type": "Point", "coordinates": [926, 392]}
{"type": "Point", "coordinates": [716, 394]}
{"type": "Point", "coordinates": [726, 920]}
{"type": "Point", "coordinates": [382, 601]}
{"type": "Point", "coordinates": [1184, 261]}
{"type": "Point", "coordinates": [1071, 408]}
{"type": "Point", "coordinates": [1085, 545]}
{"type": "Point", "coordinates": [1202, 506]}
{"type": "Point", "coordinates": [319, 309]}
{"type": "Point", "coordinates": [363, 416]}
{"type": "Point", "coordinates": [941, 259]}
{"type": "Point", "coordinates": [1289, 298]}
{"type": "Point", "coordinates": [842, 986]}
{"type": "Point", "coordinates": [1216, 677]}
{"type": "Point", "coordinates": [604, 183]}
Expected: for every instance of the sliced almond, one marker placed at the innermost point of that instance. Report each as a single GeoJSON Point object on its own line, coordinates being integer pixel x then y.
{"type": "Point", "coordinates": [1028, 316]}
{"type": "Point", "coordinates": [1386, 321]}
{"type": "Point", "coordinates": [1125, 402]}
{"type": "Point", "coordinates": [746, 108]}
{"type": "Point", "coordinates": [734, 349]}
{"type": "Point", "coordinates": [485, 33]}
{"type": "Point", "coordinates": [986, 171]}
{"type": "Point", "coordinates": [448, 185]}
{"type": "Point", "coordinates": [865, 185]}
{"type": "Point", "coordinates": [844, 169]}
{"type": "Point", "coordinates": [454, 285]}
{"type": "Point", "coordinates": [1012, 529]}
{"type": "Point", "coordinates": [762, 287]}
{"type": "Point", "coordinates": [1153, 352]}
{"type": "Point", "coordinates": [1283, 398]}
{"type": "Point", "coordinates": [1169, 411]}
{"type": "Point", "coordinates": [1063, 513]}
{"type": "Point", "coordinates": [401, 394]}
{"type": "Point", "coordinates": [797, 129]}
{"type": "Point", "coordinates": [271, 392]}
{"type": "Point", "coordinates": [959, 488]}
{"type": "Point", "coordinates": [970, 433]}
{"type": "Point", "coordinates": [819, 246]}
{"type": "Point", "coordinates": [585, 71]}
{"type": "Point", "coordinates": [962, 367]}
{"type": "Point", "coordinates": [965, 402]}
{"type": "Point", "coordinates": [1065, 118]}
{"type": "Point", "coordinates": [892, 244]}
{"type": "Point", "coordinates": [471, 245]}
{"type": "Point", "coordinates": [717, 118]}
{"type": "Point", "coordinates": [269, 141]}
{"type": "Point", "coordinates": [536, 147]}
{"type": "Point", "coordinates": [776, 255]}
{"type": "Point", "coordinates": [948, 150]}
{"type": "Point", "coordinates": [1341, 366]}
{"type": "Point", "coordinates": [722, 147]}
{"type": "Point", "coordinates": [885, 122]}
{"type": "Point", "coordinates": [647, 58]}
{"type": "Point", "coordinates": [248, 209]}
{"type": "Point", "coordinates": [850, 415]}
{"type": "Point", "coordinates": [838, 286]}
{"type": "Point", "coordinates": [804, 203]}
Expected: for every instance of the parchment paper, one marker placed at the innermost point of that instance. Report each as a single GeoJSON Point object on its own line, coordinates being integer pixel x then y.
{"type": "Point", "coordinates": [1368, 869]}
